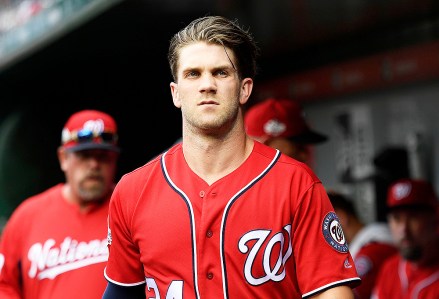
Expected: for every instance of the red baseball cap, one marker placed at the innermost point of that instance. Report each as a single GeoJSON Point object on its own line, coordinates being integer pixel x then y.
{"type": "Point", "coordinates": [410, 192]}
{"type": "Point", "coordinates": [280, 118]}
{"type": "Point", "coordinates": [90, 129]}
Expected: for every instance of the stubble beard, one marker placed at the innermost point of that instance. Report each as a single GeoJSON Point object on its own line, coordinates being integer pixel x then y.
{"type": "Point", "coordinates": [217, 124]}
{"type": "Point", "coordinates": [92, 192]}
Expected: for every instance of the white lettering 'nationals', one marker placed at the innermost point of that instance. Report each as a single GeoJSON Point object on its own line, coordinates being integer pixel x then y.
{"type": "Point", "coordinates": [260, 236]}
{"type": "Point", "coordinates": [48, 261]}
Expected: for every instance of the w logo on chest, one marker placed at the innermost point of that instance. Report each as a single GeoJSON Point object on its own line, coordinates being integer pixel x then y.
{"type": "Point", "coordinates": [273, 251]}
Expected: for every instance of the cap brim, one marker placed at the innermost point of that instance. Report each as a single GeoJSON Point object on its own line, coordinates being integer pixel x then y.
{"type": "Point", "coordinates": [91, 146]}
{"type": "Point", "coordinates": [309, 137]}
{"type": "Point", "coordinates": [411, 206]}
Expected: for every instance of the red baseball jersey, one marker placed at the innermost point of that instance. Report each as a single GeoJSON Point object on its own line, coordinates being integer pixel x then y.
{"type": "Point", "coordinates": [266, 230]}
{"type": "Point", "coordinates": [368, 262]}
{"type": "Point", "coordinates": [399, 279]}
{"type": "Point", "coordinates": [49, 249]}
{"type": "Point", "coordinates": [370, 247]}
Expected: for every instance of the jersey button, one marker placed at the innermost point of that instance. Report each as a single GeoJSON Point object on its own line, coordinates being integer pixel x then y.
{"type": "Point", "coordinates": [201, 194]}
{"type": "Point", "coordinates": [209, 275]}
{"type": "Point", "coordinates": [209, 234]}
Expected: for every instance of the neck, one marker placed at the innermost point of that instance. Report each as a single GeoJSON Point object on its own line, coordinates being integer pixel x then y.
{"type": "Point", "coordinates": [70, 197]}
{"type": "Point", "coordinates": [212, 158]}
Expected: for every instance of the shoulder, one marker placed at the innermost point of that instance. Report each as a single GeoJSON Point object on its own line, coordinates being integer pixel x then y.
{"type": "Point", "coordinates": [154, 164]}
{"type": "Point", "coordinates": [286, 164]}
{"type": "Point", "coordinates": [134, 182]}
{"type": "Point", "coordinates": [39, 201]}
{"type": "Point", "coordinates": [379, 249]}
{"type": "Point", "coordinates": [375, 233]}
{"type": "Point", "coordinates": [373, 256]}
{"type": "Point", "coordinates": [140, 173]}
{"type": "Point", "coordinates": [390, 265]}
{"type": "Point", "coordinates": [35, 207]}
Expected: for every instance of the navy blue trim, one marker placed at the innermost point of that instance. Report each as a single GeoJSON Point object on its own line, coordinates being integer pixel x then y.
{"type": "Point", "coordinates": [114, 291]}
{"type": "Point", "coordinates": [274, 161]}
{"type": "Point", "coordinates": [194, 254]}
{"type": "Point", "coordinates": [352, 283]}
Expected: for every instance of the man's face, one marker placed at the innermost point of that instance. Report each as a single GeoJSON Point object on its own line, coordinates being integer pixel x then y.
{"type": "Point", "coordinates": [413, 230]}
{"type": "Point", "coordinates": [90, 173]}
{"type": "Point", "coordinates": [209, 90]}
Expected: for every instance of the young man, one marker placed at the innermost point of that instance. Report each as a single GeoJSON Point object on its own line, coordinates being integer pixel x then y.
{"type": "Point", "coordinates": [54, 244]}
{"type": "Point", "coordinates": [413, 218]}
{"type": "Point", "coordinates": [220, 215]}
{"type": "Point", "coordinates": [280, 123]}
{"type": "Point", "coordinates": [369, 244]}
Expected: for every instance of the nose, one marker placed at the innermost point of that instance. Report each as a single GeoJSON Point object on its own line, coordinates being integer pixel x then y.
{"type": "Point", "coordinates": [94, 161]}
{"type": "Point", "coordinates": [207, 83]}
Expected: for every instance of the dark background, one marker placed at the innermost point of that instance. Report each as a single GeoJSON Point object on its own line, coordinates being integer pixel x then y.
{"type": "Point", "coordinates": [117, 62]}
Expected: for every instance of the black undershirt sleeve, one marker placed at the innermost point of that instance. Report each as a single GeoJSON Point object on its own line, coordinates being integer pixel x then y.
{"type": "Point", "coordinates": [114, 291]}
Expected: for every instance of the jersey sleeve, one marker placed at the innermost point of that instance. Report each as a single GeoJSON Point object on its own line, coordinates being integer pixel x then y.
{"type": "Point", "coordinates": [124, 267]}
{"type": "Point", "coordinates": [322, 257]}
{"type": "Point", "coordinates": [10, 260]}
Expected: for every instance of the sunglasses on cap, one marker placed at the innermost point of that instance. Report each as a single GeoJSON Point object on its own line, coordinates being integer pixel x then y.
{"type": "Point", "coordinates": [86, 135]}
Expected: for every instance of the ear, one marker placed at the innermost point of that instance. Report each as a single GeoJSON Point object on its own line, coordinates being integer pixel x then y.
{"type": "Point", "coordinates": [175, 95]}
{"type": "Point", "coordinates": [62, 158]}
{"type": "Point", "coordinates": [246, 90]}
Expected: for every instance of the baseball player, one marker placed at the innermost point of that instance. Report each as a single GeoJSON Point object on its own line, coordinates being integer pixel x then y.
{"type": "Point", "coordinates": [54, 244]}
{"type": "Point", "coordinates": [220, 215]}
{"type": "Point", "coordinates": [370, 244]}
{"type": "Point", "coordinates": [413, 218]}
{"type": "Point", "coordinates": [280, 123]}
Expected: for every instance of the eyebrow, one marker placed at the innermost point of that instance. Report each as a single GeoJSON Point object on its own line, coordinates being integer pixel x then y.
{"type": "Point", "coordinates": [215, 69]}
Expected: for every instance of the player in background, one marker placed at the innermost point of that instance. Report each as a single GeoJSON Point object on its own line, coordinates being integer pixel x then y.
{"type": "Point", "coordinates": [220, 215]}
{"type": "Point", "coordinates": [280, 123]}
{"type": "Point", "coordinates": [54, 244]}
{"type": "Point", "coordinates": [369, 244]}
{"type": "Point", "coordinates": [413, 218]}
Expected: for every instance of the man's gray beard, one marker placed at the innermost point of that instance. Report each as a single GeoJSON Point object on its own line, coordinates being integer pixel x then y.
{"type": "Point", "coordinates": [92, 194]}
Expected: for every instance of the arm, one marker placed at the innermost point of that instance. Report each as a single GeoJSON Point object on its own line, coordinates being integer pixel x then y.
{"type": "Point", "coordinates": [10, 277]}
{"type": "Point", "coordinates": [341, 292]}
{"type": "Point", "coordinates": [114, 291]}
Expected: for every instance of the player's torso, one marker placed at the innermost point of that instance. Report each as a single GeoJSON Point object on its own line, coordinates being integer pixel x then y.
{"type": "Point", "coordinates": [400, 281]}
{"type": "Point", "coordinates": [368, 262]}
{"type": "Point", "coordinates": [189, 231]}
{"type": "Point", "coordinates": [63, 253]}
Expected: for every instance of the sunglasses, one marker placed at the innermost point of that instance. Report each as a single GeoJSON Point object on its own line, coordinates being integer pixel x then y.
{"type": "Point", "coordinates": [86, 135]}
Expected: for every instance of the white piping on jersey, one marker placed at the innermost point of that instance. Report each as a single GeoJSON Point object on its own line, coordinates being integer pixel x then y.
{"type": "Point", "coordinates": [188, 202]}
{"type": "Point", "coordinates": [227, 209]}
{"type": "Point", "coordinates": [403, 276]}
{"type": "Point", "coordinates": [119, 283]}
{"type": "Point", "coordinates": [420, 285]}
{"type": "Point", "coordinates": [222, 220]}
{"type": "Point", "coordinates": [328, 286]}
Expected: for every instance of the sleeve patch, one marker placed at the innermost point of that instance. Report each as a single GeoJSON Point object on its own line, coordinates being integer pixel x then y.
{"type": "Point", "coordinates": [333, 233]}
